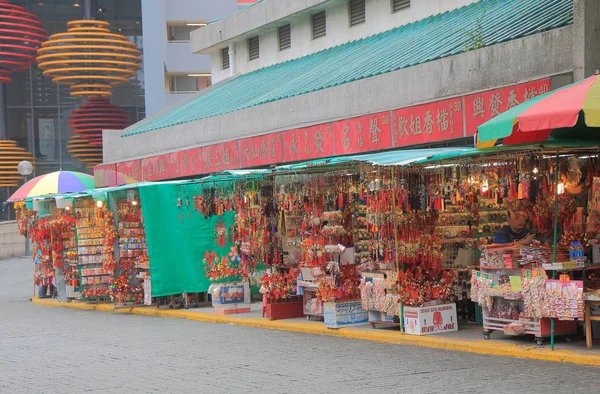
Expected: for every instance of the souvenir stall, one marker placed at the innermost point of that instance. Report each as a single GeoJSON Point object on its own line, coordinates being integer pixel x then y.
{"type": "Point", "coordinates": [316, 217]}
{"type": "Point", "coordinates": [219, 253]}
{"type": "Point", "coordinates": [50, 226]}
{"type": "Point", "coordinates": [132, 284]}
{"type": "Point", "coordinates": [64, 248]}
{"type": "Point", "coordinates": [243, 230]}
{"type": "Point", "coordinates": [536, 288]}
{"type": "Point", "coordinates": [111, 246]}
{"type": "Point", "coordinates": [366, 238]}
{"type": "Point", "coordinates": [96, 241]}
{"type": "Point", "coordinates": [44, 215]}
{"type": "Point", "coordinates": [404, 272]}
{"type": "Point", "coordinates": [566, 122]}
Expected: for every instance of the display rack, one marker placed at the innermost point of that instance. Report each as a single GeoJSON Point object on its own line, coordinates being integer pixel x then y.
{"type": "Point", "coordinates": [65, 256]}
{"type": "Point", "coordinates": [312, 306]}
{"type": "Point", "coordinates": [132, 271]}
{"type": "Point", "coordinates": [505, 308]}
{"type": "Point", "coordinates": [379, 297]}
{"type": "Point", "coordinates": [93, 252]}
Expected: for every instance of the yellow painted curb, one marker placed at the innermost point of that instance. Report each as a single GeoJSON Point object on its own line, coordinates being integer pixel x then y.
{"type": "Point", "coordinates": [488, 347]}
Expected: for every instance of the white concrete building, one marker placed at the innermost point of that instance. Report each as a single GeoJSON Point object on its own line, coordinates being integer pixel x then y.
{"type": "Point", "coordinates": [171, 71]}
{"type": "Point", "coordinates": [291, 29]}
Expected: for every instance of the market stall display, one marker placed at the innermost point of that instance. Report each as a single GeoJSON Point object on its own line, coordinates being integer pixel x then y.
{"type": "Point", "coordinates": [64, 250]}
{"type": "Point", "coordinates": [132, 277]}
{"type": "Point", "coordinates": [96, 238]}
{"type": "Point", "coordinates": [521, 300]}
{"type": "Point", "coordinates": [379, 296]}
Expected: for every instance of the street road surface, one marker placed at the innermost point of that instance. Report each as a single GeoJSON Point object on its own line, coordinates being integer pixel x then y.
{"type": "Point", "coordinates": [52, 350]}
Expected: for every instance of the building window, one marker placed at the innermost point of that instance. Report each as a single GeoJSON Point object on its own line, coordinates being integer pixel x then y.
{"type": "Point", "coordinates": [181, 33]}
{"type": "Point", "coordinates": [399, 5]}
{"type": "Point", "coordinates": [253, 48]}
{"type": "Point", "coordinates": [225, 58]}
{"type": "Point", "coordinates": [189, 83]}
{"type": "Point", "coordinates": [357, 12]}
{"type": "Point", "coordinates": [285, 37]}
{"type": "Point", "coordinates": [319, 25]}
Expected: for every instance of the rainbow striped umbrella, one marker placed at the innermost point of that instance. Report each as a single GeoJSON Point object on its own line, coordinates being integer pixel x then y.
{"type": "Point", "coordinates": [54, 183]}
{"type": "Point", "coordinates": [566, 112]}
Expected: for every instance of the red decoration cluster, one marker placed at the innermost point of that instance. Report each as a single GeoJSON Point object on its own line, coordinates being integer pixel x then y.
{"type": "Point", "coordinates": [279, 286]}
{"type": "Point", "coordinates": [21, 34]}
{"type": "Point", "coordinates": [420, 286]}
{"type": "Point", "coordinates": [96, 115]}
{"type": "Point", "coordinates": [347, 289]}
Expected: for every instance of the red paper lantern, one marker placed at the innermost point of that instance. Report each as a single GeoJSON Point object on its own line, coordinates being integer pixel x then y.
{"type": "Point", "coordinates": [96, 115]}
{"type": "Point", "coordinates": [21, 34]}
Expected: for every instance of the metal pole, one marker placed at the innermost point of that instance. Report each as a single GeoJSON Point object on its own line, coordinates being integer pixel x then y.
{"type": "Point", "coordinates": [87, 9]}
{"type": "Point", "coordinates": [557, 179]}
{"type": "Point", "coordinates": [27, 251]}
{"type": "Point", "coordinates": [90, 9]}
{"type": "Point", "coordinates": [395, 224]}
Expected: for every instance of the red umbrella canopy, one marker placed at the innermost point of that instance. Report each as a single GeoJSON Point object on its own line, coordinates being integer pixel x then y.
{"type": "Point", "coordinates": [575, 106]}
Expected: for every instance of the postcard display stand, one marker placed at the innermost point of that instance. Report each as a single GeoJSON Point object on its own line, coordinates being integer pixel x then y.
{"type": "Point", "coordinates": [96, 276]}
{"type": "Point", "coordinates": [505, 309]}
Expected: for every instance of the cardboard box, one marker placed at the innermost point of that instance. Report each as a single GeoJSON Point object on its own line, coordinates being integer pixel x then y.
{"type": "Point", "coordinates": [232, 298]}
{"type": "Point", "coordinates": [340, 314]}
{"type": "Point", "coordinates": [430, 319]}
{"type": "Point", "coordinates": [73, 292]}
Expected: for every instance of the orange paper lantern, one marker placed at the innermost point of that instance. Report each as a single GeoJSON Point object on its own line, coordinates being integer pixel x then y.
{"type": "Point", "coordinates": [89, 58]}
{"type": "Point", "coordinates": [10, 157]}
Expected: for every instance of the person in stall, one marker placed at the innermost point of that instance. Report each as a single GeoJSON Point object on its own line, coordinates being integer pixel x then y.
{"type": "Point", "coordinates": [516, 231]}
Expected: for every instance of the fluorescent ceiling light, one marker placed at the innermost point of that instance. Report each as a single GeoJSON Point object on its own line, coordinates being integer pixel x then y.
{"type": "Point", "coordinates": [196, 24]}
{"type": "Point", "coordinates": [199, 75]}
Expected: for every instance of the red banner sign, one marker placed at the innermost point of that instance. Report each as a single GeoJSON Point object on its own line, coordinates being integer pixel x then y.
{"type": "Point", "coordinates": [156, 168]}
{"type": "Point", "coordinates": [427, 123]}
{"type": "Point", "coordinates": [481, 107]}
{"type": "Point", "coordinates": [308, 143]}
{"type": "Point", "coordinates": [262, 150]}
{"type": "Point", "coordinates": [129, 172]}
{"type": "Point", "coordinates": [421, 124]}
{"type": "Point", "coordinates": [363, 134]}
{"type": "Point", "coordinates": [186, 163]}
{"type": "Point", "coordinates": [221, 157]}
{"type": "Point", "coordinates": [105, 175]}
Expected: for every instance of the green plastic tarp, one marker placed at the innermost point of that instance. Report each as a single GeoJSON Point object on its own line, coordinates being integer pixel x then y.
{"type": "Point", "coordinates": [178, 238]}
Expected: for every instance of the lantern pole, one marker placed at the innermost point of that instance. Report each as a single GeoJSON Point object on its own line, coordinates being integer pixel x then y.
{"type": "Point", "coordinates": [90, 9]}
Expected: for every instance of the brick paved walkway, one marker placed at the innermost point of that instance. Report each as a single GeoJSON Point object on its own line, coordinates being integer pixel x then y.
{"type": "Point", "coordinates": [50, 350]}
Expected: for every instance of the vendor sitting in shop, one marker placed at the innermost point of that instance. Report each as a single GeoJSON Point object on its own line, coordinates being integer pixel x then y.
{"type": "Point", "coordinates": [516, 230]}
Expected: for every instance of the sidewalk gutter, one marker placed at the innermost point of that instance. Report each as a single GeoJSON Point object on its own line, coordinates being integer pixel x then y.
{"type": "Point", "coordinates": [488, 347]}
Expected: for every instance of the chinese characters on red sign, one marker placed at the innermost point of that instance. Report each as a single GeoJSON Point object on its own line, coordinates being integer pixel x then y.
{"type": "Point", "coordinates": [262, 150]}
{"type": "Point", "coordinates": [421, 124]}
{"type": "Point", "coordinates": [308, 143]}
{"type": "Point", "coordinates": [129, 172]}
{"type": "Point", "coordinates": [186, 163]}
{"type": "Point", "coordinates": [221, 157]}
{"type": "Point", "coordinates": [481, 107]}
{"type": "Point", "coordinates": [363, 134]}
{"type": "Point", "coordinates": [105, 175]}
{"type": "Point", "coordinates": [156, 168]}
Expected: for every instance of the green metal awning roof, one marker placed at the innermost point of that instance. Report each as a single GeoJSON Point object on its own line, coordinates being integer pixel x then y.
{"type": "Point", "coordinates": [391, 158]}
{"type": "Point", "coordinates": [429, 39]}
